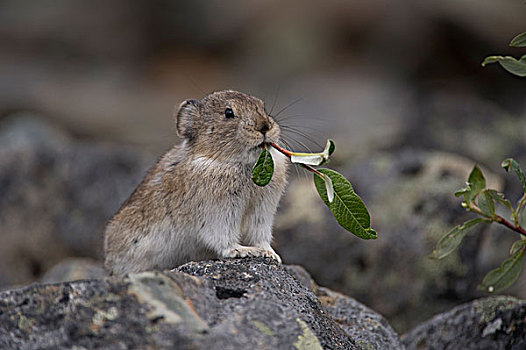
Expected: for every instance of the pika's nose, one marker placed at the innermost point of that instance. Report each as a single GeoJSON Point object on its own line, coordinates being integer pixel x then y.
{"type": "Point", "coordinates": [264, 127]}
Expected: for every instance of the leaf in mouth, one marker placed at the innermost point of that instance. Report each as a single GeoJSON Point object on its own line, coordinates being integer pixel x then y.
{"type": "Point", "coordinates": [263, 169]}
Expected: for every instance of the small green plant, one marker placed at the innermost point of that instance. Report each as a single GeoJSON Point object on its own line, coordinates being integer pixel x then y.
{"type": "Point", "coordinates": [335, 191]}
{"type": "Point", "coordinates": [511, 64]}
{"type": "Point", "coordinates": [482, 201]}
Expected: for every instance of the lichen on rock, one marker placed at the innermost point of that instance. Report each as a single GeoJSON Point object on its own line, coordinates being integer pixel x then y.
{"type": "Point", "coordinates": [221, 304]}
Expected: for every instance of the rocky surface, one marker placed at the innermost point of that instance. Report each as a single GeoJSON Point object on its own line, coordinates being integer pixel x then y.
{"type": "Point", "coordinates": [484, 324]}
{"type": "Point", "coordinates": [224, 304]}
{"type": "Point", "coordinates": [468, 125]}
{"type": "Point", "coordinates": [73, 269]}
{"type": "Point", "coordinates": [235, 304]}
{"type": "Point", "coordinates": [57, 194]}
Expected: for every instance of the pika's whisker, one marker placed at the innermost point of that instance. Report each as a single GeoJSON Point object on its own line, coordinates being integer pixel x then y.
{"type": "Point", "coordinates": [287, 145]}
{"type": "Point", "coordinates": [287, 107]}
{"type": "Point", "coordinates": [275, 100]}
{"type": "Point", "coordinates": [299, 133]}
{"type": "Point", "coordinates": [294, 126]}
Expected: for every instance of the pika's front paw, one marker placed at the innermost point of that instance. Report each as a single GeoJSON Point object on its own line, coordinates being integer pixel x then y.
{"type": "Point", "coordinates": [244, 251]}
{"type": "Point", "coordinates": [270, 253]}
{"type": "Point", "coordinates": [241, 251]}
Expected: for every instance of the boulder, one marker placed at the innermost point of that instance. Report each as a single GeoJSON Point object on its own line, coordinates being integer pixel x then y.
{"type": "Point", "coordinates": [489, 323]}
{"type": "Point", "coordinates": [73, 269]}
{"type": "Point", "coordinates": [57, 194]}
{"type": "Point", "coordinates": [221, 304]}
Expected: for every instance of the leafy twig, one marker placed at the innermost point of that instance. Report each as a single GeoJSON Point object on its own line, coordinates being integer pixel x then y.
{"type": "Point", "coordinates": [481, 201]}
{"type": "Point", "coordinates": [497, 218]}
{"type": "Point", "coordinates": [335, 191]}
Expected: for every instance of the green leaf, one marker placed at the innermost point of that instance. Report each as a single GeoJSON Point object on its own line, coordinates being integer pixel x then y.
{"type": "Point", "coordinates": [476, 180]}
{"type": "Point", "coordinates": [463, 191]}
{"type": "Point", "coordinates": [511, 64]}
{"type": "Point", "coordinates": [497, 196]}
{"type": "Point", "coordinates": [263, 169]}
{"type": "Point", "coordinates": [502, 277]}
{"type": "Point", "coordinates": [519, 40]}
{"type": "Point", "coordinates": [347, 207]}
{"type": "Point", "coordinates": [517, 245]}
{"type": "Point", "coordinates": [476, 183]}
{"type": "Point", "coordinates": [512, 163]}
{"type": "Point", "coordinates": [451, 240]}
{"type": "Point", "coordinates": [486, 203]}
{"type": "Point", "coordinates": [490, 59]}
{"type": "Point", "coordinates": [331, 146]}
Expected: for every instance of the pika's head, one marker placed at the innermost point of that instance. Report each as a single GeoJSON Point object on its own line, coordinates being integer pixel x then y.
{"type": "Point", "coordinates": [226, 124]}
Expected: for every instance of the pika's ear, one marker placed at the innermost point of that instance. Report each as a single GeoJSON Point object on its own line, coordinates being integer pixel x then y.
{"type": "Point", "coordinates": [185, 118]}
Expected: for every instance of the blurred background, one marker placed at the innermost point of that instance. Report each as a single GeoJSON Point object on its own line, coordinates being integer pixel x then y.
{"type": "Point", "coordinates": [88, 88]}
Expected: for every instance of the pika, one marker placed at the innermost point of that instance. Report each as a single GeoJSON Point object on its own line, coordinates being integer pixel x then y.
{"type": "Point", "coordinates": [198, 201]}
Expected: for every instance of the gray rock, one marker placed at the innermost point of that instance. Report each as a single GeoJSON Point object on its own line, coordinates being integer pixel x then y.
{"type": "Point", "coordinates": [466, 124]}
{"type": "Point", "coordinates": [223, 304]}
{"type": "Point", "coordinates": [492, 323]}
{"type": "Point", "coordinates": [74, 269]}
{"type": "Point", "coordinates": [56, 195]}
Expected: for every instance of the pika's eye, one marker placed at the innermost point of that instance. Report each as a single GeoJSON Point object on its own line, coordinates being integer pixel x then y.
{"type": "Point", "coordinates": [229, 113]}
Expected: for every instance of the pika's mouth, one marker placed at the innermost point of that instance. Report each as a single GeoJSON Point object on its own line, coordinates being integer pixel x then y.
{"type": "Point", "coordinates": [264, 144]}
{"type": "Point", "coordinates": [261, 145]}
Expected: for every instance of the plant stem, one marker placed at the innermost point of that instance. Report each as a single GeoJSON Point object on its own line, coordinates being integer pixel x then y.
{"type": "Point", "coordinates": [311, 169]}
{"type": "Point", "coordinates": [499, 219]}
{"type": "Point", "coordinates": [281, 149]}
{"type": "Point", "coordinates": [522, 201]}
{"type": "Point", "coordinates": [509, 225]}
{"type": "Point", "coordinates": [289, 154]}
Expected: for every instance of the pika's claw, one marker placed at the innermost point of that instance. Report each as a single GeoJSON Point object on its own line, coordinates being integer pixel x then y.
{"type": "Point", "coordinates": [244, 251]}
{"type": "Point", "coordinates": [241, 252]}
{"type": "Point", "coordinates": [270, 253]}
